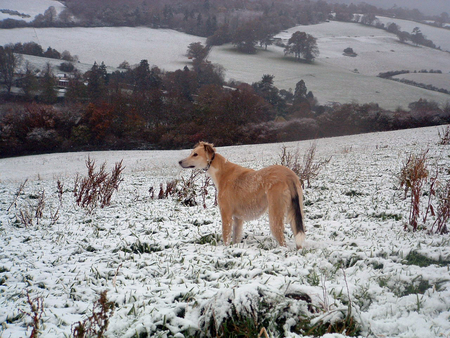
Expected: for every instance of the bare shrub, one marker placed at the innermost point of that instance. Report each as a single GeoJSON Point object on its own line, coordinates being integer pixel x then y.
{"type": "Point", "coordinates": [29, 214]}
{"type": "Point", "coordinates": [97, 323]}
{"type": "Point", "coordinates": [97, 187]}
{"type": "Point", "coordinates": [413, 175]}
{"type": "Point", "coordinates": [291, 160]}
{"type": "Point", "coordinates": [307, 170]}
{"type": "Point", "coordinates": [192, 187]}
{"type": "Point", "coordinates": [187, 189]}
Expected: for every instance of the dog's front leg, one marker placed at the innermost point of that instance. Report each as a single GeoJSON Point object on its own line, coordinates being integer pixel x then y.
{"type": "Point", "coordinates": [237, 230]}
{"type": "Point", "coordinates": [227, 221]}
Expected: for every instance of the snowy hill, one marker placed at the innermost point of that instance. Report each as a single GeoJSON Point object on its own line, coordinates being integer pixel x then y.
{"type": "Point", "coordinates": [165, 266]}
{"type": "Point", "coordinates": [29, 8]}
{"type": "Point", "coordinates": [332, 78]}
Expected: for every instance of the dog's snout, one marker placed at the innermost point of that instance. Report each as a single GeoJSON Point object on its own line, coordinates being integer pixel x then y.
{"type": "Point", "coordinates": [180, 162]}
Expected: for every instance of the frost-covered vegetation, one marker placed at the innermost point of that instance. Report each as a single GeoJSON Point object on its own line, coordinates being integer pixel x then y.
{"type": "Point", "coordinates": [149, 267]}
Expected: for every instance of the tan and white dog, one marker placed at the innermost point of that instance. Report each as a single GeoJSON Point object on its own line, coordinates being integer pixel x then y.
{"type": "Point", "coordinates": [245, 194]}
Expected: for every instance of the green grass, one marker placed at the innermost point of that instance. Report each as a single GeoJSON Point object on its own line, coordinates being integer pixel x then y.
{"type": "Point", "coordinates": [415, 258]}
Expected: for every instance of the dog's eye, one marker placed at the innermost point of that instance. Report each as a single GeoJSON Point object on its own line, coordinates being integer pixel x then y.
{"type": "Point", "coordinates": [195, 154]}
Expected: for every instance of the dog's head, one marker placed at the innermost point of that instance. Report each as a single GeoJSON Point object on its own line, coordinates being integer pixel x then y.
{"type": "Point", "coordinates": [201, 157]}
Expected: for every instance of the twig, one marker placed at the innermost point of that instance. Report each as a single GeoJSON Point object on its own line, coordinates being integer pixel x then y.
{"type": "Point", "coordinates": [16, 196]}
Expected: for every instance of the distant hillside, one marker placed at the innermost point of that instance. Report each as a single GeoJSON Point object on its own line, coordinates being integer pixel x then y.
{"type": "Point", "coordinates": [429, 7]}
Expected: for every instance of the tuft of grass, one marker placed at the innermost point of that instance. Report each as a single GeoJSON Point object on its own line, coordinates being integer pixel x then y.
{"type": "Point", "coordinates": [143, 247]}
{"type": "Point", "coordinates": [386, 216]}
{"type": "Point", "coordinates": [415, 258]}
{"type": "Point", "coordinates": [267, 312]}
{"type": "Point", "coordinates": [353, 193]}
{"type": "Point", "coordinates": [211, 239]}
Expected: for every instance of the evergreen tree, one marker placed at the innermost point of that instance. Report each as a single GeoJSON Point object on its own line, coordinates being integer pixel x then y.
{"type": "Point", "coordinates": [96, 88]}
{"type": "Point", "coordinates": [49, 93]}
{"type": "Point", "coordinates": [29, 81]}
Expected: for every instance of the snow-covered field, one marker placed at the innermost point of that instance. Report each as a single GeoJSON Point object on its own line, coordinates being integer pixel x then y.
{"type": "Point", "coordinates": [439, 36]}
{"type": "Point", "coordinates": [166, 273]}
{"type": "Point", "coordinates": [332, 78]}
{"type": "Point", "coordinates": [437, 80]}
{"type": "Point", "coordinates": [164, 48]}
{"type": "Point", "coordinates": [30, 8]}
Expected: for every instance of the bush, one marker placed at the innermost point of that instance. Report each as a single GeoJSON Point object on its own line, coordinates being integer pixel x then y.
{"type": "Point", "coordinates": [67, 67]}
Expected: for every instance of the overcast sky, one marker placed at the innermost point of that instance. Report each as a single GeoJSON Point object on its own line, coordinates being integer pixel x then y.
{"type": "Point", "coordinates": [425, 6]}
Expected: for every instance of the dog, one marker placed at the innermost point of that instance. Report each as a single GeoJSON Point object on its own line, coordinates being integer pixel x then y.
{"type": "Point", "coordinates": [245, 194]}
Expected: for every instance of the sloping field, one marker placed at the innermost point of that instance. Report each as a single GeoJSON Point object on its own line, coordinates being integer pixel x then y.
{"type": "Point", "coordinates": [437, 80]}
{"type": "Point", "coordinates": [168, 273]}
{"type": "Point", "coordinates": [333, 77]}
{"type": "Point", "coordinates": [440, 36]}
{"type": "Point", "coordinates": [30, 8]}
{"type": "Point", "coordinates": [161, 47]}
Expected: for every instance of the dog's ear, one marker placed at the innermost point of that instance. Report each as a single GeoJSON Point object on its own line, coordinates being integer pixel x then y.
{"type": "Point", "coordinates": [209, 149]}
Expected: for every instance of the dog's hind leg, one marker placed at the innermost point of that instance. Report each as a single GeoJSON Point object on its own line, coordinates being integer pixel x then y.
{"type": "Point", "coordinates": [277, 211]}
{"type": "Point", "coordinates": [295, 217]}
{"type": "Point", "coordinates": [237, 230]}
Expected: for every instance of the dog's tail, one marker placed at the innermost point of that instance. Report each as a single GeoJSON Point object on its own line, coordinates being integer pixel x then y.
{"type": "Point", "coordinates": [297, 222]}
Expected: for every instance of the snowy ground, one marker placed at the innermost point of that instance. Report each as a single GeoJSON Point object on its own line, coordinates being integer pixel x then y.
{"type": "Point", "coordinates": [439, 36]}
{"type": "Point", "coordinates": [30, 8]}
{"type": "Point", "coordinates": [356, 248]}
{"type": "Point", "coordinates": [164, 48]}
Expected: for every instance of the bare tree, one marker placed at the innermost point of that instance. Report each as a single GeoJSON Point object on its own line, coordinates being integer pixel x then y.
{"type": "Point", "coordinates": [9, 62]}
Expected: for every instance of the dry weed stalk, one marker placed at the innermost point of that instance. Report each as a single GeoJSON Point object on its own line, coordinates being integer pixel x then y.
{"type": "Point", "coordinates": [25, 217]}
{"type": "Point", "coordinates": [97, 187]}
{"type": "Point", "coordinates": [444, 136]}
{"type": "Point", "coordinates": [60, 187]}
{"type": "Point", "coordinates": [443, 210]}
{"type": "Point", "coordinates": [97, 324]}
{"type": "Point", "coordinates": [413, 175]}
{"type": "Point", "coordinates": [39, 212]}
{"type": "Point", "coordinates": [307, 170]}
{"type": "Point", "coordinates": [17, 194]}
{"type": "Point", "coordinates": [28, 214]}
{"type": "Point", "coordinates": [37, 309]}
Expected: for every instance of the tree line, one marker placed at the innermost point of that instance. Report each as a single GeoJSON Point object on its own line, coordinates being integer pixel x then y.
{"type": "Point", "coordinates": [143, 107]}
{"type": "Point", "coordinates": [205, 17]}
